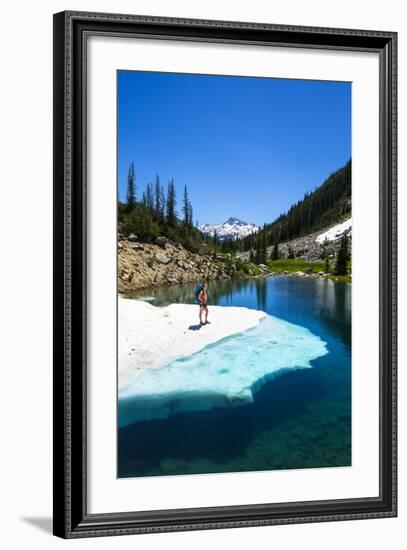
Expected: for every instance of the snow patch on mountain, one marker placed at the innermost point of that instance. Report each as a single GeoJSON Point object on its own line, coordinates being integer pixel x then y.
{"type": "Point", "coordinates": [233, 228]}
{"type": "Point", "coordinates": [335, 232]}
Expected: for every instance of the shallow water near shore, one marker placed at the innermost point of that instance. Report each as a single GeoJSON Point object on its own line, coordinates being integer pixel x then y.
{"type": "Point", "coordinates": [299, 419]}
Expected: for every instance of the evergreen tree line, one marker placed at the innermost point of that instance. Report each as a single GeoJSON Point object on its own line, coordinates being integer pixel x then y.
{"type": "Point", "coordinates": [155, 213]}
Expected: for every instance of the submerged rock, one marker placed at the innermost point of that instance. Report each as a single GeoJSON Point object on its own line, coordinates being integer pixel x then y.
{"type": "Point", "coordinates": [146, 298]}
{"type": "Point", "coordinates": [172, 464]}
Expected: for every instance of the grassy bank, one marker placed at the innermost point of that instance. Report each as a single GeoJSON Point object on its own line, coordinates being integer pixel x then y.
{"type": "Point", "coordinates": [291, 266]}
{"type": "Point", "coordinates": [296, 264]}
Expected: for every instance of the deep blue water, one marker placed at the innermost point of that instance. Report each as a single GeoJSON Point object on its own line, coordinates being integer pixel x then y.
{"type": "Point", "coordinates": [297, 420]}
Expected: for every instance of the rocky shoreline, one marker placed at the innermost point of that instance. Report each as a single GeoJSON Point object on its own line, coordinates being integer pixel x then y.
{"type": "Point", "coordinates": [164, 263]}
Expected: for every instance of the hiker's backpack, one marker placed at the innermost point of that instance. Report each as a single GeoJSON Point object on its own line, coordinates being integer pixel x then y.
{"type": "Point", "coordinates": [197, 292]}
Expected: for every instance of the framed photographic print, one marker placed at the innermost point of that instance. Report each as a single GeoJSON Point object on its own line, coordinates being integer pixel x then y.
{"type": "Point", "coordinates": [224, 274]}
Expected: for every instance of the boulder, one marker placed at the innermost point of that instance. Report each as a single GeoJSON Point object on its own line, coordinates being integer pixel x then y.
{"type": "Point", "coordinates": [120, 229]}
{"type": "Point", "coordinates": [203, 249]}
{"type": "Point", "coordinates": [162, 241]}
{"type": "Point", "coordinates": [136, 246]}
{"type": "Point", "coordinates": [162, 258]}
{"type": "Point", "coordinates": [309, 271]}
{"type": "Point", "coordinates": [132, 237]}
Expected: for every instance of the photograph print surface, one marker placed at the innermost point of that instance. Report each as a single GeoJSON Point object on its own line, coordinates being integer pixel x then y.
{"type": "Point", "coordinates": [234, 240]}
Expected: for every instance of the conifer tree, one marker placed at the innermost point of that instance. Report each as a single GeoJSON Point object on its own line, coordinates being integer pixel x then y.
{"type": "Point", "coordinates": [150, 196]}
{"type": "Point", "coordinates": [275, 252]}
{"type": "Point", "coordinates": [258, 254]}
{"type": "Point", "coordinates": [187, 210]}
{"type": "Point", "coordinates": [263, 249]}
{"type": "Point", "coordinates": [327, 266]}
{"type": "Point", "coordinates": [191, 215]}
{"type": "Point", "coordinates": [342, 257]}
{"type": "Point", "coordinates": [163, 205]}
{"type": "Point", "coordinates": [131, 186]}
{"type": "Point", "coordinates": [157, 198]}
{"type": "Point", "coordinates": [171, 203]}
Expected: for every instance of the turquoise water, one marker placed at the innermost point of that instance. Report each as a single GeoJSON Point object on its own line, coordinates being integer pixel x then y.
{"type": "Point", "coordinates": [227, 373]}
{"type": "Point", "coordinates": [293, 417]}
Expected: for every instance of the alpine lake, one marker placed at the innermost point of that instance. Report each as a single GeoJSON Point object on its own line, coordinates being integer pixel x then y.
{"type": "Point", "coordinates": [299, 419]}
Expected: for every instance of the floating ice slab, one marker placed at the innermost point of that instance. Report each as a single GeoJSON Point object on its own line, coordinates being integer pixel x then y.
{"type": "Point", "coordinates": [225, 373]}
{"type": "Point", "coordinates": [152, 337]}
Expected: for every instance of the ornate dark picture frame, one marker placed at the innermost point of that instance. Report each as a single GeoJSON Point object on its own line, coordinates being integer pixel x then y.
{"type": "Point", "coordinates": [71, 517]}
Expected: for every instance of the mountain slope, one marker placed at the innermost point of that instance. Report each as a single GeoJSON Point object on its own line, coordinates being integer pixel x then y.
{"type": "Point", "coordinates": [328, 204]}
{"type": "Point", "coordinates": [233, 228]}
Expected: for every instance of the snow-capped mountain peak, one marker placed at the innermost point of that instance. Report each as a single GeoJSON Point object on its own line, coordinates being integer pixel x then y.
{"type": "Point", "coordinates": [235, 221]}
{"type": "Point", "coordinates": [233, 228]}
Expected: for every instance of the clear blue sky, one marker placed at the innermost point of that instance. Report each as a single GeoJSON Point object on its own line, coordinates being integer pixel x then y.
{"type": "Point", "coordinates": [245, 147]}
